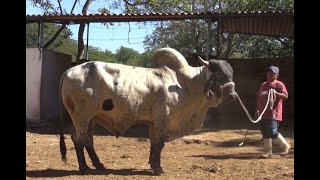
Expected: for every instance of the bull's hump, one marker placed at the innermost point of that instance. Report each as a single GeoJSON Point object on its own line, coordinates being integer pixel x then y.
{"type": "Point", "coordinates": [169, 57]}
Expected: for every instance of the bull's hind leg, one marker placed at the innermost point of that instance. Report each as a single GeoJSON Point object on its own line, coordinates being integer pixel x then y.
{"type": "Point", "coordinates": [82, 114]}
{"type": "Point", "coordinates": [79, 146]}
{"type": "Point", "coordinates": [90, 148]}
{"type": "Point", "coordinates": [81, 138]}
{"type": "Point", "coordinates": [156, 146]}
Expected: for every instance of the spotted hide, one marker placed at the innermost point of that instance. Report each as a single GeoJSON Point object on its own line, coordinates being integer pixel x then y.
{"type": "Point", "coordinates": [172, 98]}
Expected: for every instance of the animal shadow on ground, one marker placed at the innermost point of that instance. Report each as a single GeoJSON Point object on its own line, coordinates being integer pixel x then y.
{"type": "Point", "coordinates": [240, 156]}
{"type": "Point", "coordinates": [49, 173]}
{"type": "Point", "coordinates": [288, 133]}
{"type": "Point", "coordinates": [234, 143]}
{"type": "Point", "coordinates": [229, 156]}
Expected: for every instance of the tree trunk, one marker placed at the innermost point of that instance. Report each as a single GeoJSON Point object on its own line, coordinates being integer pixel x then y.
{"type": "Point", "coordinates": [80, 54]}
{"type": "Point", "coordinates": [55, 36]}
{"type": "Point", "coordinates": [82, 26]}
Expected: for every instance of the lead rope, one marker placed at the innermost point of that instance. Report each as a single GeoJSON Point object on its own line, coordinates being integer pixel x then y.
{"type": "Point", "coordinates": [270, 101]}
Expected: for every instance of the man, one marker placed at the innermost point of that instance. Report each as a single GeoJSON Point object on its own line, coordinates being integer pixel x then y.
{"type": "Point", "coordinates": [273, 114]}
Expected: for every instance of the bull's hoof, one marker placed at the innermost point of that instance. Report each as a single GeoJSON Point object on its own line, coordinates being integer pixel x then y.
{"type": "Point", "coordinates": [84, 170]}
{"type": "Point", "coordinates": [158, 171]}
{"type": "Point", "coordinates": [100, 167]}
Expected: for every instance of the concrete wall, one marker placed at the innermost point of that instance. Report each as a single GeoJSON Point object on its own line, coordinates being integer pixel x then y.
{"type": "Point", "coordinates": [42, 83]}
{"type": "Point", "coordinates": [33, 82]}
{"type": "Point", "coordinates": [54, 65]}
{"type": "Point", "coordinates": [248, 75]}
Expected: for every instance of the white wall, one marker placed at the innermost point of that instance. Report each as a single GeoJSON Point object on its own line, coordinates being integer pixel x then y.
{"type": "Point", "coordinates": [33, 83]}
{"type": "Point", "coordinates": [42, 83]}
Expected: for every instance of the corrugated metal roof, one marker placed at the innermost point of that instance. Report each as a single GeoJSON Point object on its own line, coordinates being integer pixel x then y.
{"type": "Point", "coordinates": [260, 23]}
{"type": "Point", "coordinates": [268, 24]}
{"type": "Point", "coordinates": [79, 18]}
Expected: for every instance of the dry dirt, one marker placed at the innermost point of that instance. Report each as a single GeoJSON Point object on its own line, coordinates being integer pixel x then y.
{"type": "Point", "coordinates": [207, 154]}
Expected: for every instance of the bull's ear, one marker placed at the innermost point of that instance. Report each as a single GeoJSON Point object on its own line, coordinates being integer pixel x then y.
{"type": "Point", "coordinates": [203, 62]}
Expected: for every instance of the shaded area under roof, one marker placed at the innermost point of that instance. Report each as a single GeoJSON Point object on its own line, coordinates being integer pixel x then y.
{"type": "Point", "coordinates": [278, 24]}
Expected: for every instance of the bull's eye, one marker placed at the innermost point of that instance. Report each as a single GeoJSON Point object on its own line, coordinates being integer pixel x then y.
{"type": "Point", "coordinates": [209, 74]}
{"type": "Point", "coordinates": [219, 74]}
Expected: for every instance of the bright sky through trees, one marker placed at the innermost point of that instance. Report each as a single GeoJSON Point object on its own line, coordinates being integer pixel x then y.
{"type": "Point", "coordinates": [111, 38]}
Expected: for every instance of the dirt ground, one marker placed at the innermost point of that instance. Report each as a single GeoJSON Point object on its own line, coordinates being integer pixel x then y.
{"type": "Point", "coordinates": [206, 154]}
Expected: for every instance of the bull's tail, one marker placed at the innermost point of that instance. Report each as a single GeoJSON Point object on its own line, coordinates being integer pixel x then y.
{"type": "Point", "coordinates": [63, 149]}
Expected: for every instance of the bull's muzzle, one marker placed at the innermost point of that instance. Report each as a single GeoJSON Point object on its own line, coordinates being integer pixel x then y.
{"type": "Point", "coordinates": [229, 93]}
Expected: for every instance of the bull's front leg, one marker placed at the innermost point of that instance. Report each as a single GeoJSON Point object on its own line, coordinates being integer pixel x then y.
{"type": "Point", "coordinates": [156, 146]}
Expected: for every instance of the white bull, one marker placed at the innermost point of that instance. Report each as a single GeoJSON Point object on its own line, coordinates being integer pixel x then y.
{"type": "Point", "coordinates": [172, 98]}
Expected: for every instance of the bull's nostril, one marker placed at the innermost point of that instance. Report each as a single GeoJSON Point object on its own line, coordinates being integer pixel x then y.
{"type": "Point", "coordinates": [230, 98]}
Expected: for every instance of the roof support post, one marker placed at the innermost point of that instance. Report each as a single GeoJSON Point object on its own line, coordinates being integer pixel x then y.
{"type": "Point", "coordinates": [40, 39]}
{"type": "Point", "coordinates": [218, 39]}
{"type": "Point", "coordinates": [209, 44]}
{"type": "Point", "coordinates": [218, 31]}
{"type": "Point", "coordinates": [40, 34]}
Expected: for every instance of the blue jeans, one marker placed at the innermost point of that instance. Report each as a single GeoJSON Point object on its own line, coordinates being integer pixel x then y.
{"type": "Point", "coordinates": [269, 128]}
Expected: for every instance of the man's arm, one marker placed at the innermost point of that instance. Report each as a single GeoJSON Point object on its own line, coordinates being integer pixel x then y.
{"type": "Point", "coordinates": [281, 95]}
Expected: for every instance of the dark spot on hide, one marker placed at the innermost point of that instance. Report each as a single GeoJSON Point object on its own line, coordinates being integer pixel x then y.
{"type": "Point", "coordinates": [90, 66]}
{"type": "Point", "coordinates": [115, 83]}
{"type": "Point", "coordinates": [159, 75]}
{"type": "Point", "coordinates": [107, 105]}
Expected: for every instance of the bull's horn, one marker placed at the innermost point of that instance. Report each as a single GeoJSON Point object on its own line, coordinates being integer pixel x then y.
{"type": "Point", "coordinates": [203, 62]}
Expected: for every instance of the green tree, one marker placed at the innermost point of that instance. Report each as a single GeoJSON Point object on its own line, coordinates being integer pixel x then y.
{"type": "Point", "coordinates": [257, 5]}
{"type": "Point", "coordinates": [253, 46]}
{"type": "Point", "coordinates": [200, 36]}
{"type": "Point", "coordinates": [185, 36]}
{"type": "Point", "coordinates": [48, 7]}
{"type": "Point", "coordinates": [142, 60]}
{"type": "Point", "coordinates": [49, 29]}
{"type": "Point", "coordinates": [31, 35]}
{"type": "Point", "coordinates": [126, 55]}
{"type": "Point", "coordinates": [146, 59]}
{"type": "Point", "coordinates": [98, 55]}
